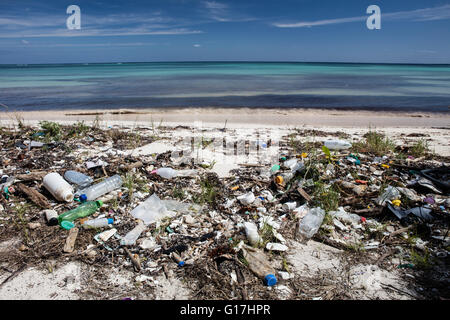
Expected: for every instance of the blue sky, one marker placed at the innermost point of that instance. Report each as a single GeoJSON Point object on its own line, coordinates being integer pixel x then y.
{"type": "Point", "coordinates": [414, 31]}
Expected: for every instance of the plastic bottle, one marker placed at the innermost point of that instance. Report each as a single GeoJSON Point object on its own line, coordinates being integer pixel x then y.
{"type": "Point", "coordinates": [98, 223]}
{"type": "Point", "coordinates": [178, 259]}
{"type": "Point", "coordinates": [337, 144]}
{"type": "Point", "coordinates": [251, 230]}
{"type": "Point", "coordinates": [58, 187]}
{"type": "Point", "coordinates": [257, 262]}
{"type": "Point", "coordinates": [131, 237]}
{"type": "Point", "coordinates": [99, 189]}
{"type": "Point", "coordinates": [51, 216]}
{"type": "Point", "coordinates": [166, 173]}
{"type": "Point", "coordinates": [75, 177]}
{"type": "Point", "coordinates": [311, 222]}
{"type": "Point", "coordinates": [83, 210]}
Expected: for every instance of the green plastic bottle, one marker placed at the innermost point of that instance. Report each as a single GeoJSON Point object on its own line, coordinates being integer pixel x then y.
{"type": "Point", "coordinates": [84, 210]}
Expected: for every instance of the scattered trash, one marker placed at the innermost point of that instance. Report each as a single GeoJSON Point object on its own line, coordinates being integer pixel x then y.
{"type": "Point", "coordinates": [160, 213]}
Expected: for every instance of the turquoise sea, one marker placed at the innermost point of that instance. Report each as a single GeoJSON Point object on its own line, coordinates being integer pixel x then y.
{"type": "Point", "coordinates": [225, 84]}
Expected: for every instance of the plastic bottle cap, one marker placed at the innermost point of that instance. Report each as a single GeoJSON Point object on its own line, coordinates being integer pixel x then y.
{"type": "Point", "coordinates": [110, 221]}
{"type": "Point", "coordinates": [99, 203]}
{"type": "Point", "coordinates": [67, 225]}
{"type": "Point", "coordinates": [181, 263]}
{"type": "Point", "coordinates": [83, 198]}
{"type": "Point", "coordinates": [270, 280]}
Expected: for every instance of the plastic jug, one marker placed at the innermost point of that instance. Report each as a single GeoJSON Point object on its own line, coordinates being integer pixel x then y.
{"type": "Point", "coordinates": [58, 187]}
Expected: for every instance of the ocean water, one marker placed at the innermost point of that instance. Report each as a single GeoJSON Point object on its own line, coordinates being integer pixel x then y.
{"type": "Point", "coordinates": [226, 84]}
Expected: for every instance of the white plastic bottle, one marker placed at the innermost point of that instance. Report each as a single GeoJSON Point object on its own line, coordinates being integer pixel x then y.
{"type": "Point", "coordinates": [58, 187]}
{"type": "Point", "coordinates": [131, 237]}
{"type": "Point", "coordinates": [166, 173]}
{"type": "Point", "coordinates": [337, 144]}
{"type": "Point", "coordinates": [251, 230]}
{"type": "Point", "coordinates": [99, 189]}
{"type": "Point", "coordinates": [311, 222]}
{"type": "Point", "coordinates": [98, 223]}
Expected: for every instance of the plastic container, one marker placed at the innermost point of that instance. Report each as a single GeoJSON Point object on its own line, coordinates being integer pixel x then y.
{"type": "Point", "coordinates": [251, 230]}
{"type": "Point", "coordinates": [51, 216]}
{"type": "Point", "coordinates": [83, 210]}
{"type": "Point", "coordinates": [58, 187]}
{"type": "Point", "coordinates": [311, 222]}
{"type": "Point", "coordinates": [247, 198]}
{"type": "Point", "coordinates": [151, 210]}
{"type": "Point", "coordinates": [99, 189]}
{"type": "Point", "coordinates": [289, 206]}
{"type": "Point", "coordinates": [131, 237]}
{"type": "Point", "coordinates": [166, 173]}
{"type": "Point", "coordinates": [75, 177]}
{"type": "Point", "coordinates": [337, 144]}
{"type": "Point", "coordinates": [98, 223]}
{"type": "Point", "coordinates": [257, 262]}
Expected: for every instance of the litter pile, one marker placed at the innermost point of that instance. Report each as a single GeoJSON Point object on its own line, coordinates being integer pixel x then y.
{"type": "Point", "coordinates": [80, 195]}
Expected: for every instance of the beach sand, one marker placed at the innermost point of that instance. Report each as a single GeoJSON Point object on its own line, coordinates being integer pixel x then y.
{"type": "Point", "coordinates": [402, 127]}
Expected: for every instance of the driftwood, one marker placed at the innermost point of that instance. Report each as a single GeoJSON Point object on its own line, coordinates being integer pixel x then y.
{"type": "Point", "coordinates": [34, 196]}
{"type": "Point", "coordinates": [70, 241]}
{"type": "Point", "coordinates": [304, 194]}
{"type": "Point", "coordinates": [33, 176]}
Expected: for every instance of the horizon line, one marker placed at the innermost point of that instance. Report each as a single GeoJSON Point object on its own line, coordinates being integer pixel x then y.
{"type": "Point", "coordinates": [222, 61]}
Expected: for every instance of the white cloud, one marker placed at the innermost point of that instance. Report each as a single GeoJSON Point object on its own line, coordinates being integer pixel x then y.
{"type": "Point", "coordinates": [426, 14]}
{"type": "Point", "coordinates": [197, 45]}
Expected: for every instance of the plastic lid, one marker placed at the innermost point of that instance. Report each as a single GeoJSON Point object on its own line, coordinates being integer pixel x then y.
{"type": "Point", "coordinates": [181, 263]}
{"type": "Point", "coordinates": [270, 280]}
{"type": "Point", "coordinates": [99, 203]}
{"type": "Point", "coordinates": [67, 225]}
{"type": "Point", "coordinates": [110, 221]}
{"type": "Point", "coordinates": [83, 198]}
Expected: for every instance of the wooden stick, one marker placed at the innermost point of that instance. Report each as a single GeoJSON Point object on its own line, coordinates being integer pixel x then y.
{"type": "Point", "coordinates": [34, 196]}
{"type": "Point", "coordinates": [70, 241]}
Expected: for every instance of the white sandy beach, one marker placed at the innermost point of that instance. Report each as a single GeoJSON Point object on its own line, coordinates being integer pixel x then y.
{"type": "Point", "coordinates": [399, 126]}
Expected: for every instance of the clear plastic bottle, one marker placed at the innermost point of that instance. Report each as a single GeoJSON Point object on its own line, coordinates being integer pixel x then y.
{"type": "Point", "coordinates": [83, 210]}
{"type": "Point", "coordinates": [98, 223]}
{"type": "Point", "coordinates": [311, 222]}
{"type": "Point", "coordinates": [166, 173]}
{"type": "Point", "coordinates": [131, 237]}
{"type": "Point", "coordinates": [259, 264]}
{"type": "Point", "coordinates": [75, 177]}
{"type": "Point", "coordinates": [99, 189]}
{"type": "Point", "coordinates": [337, 144]}
{"type": "Point", "coordinates": [58, 187]}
